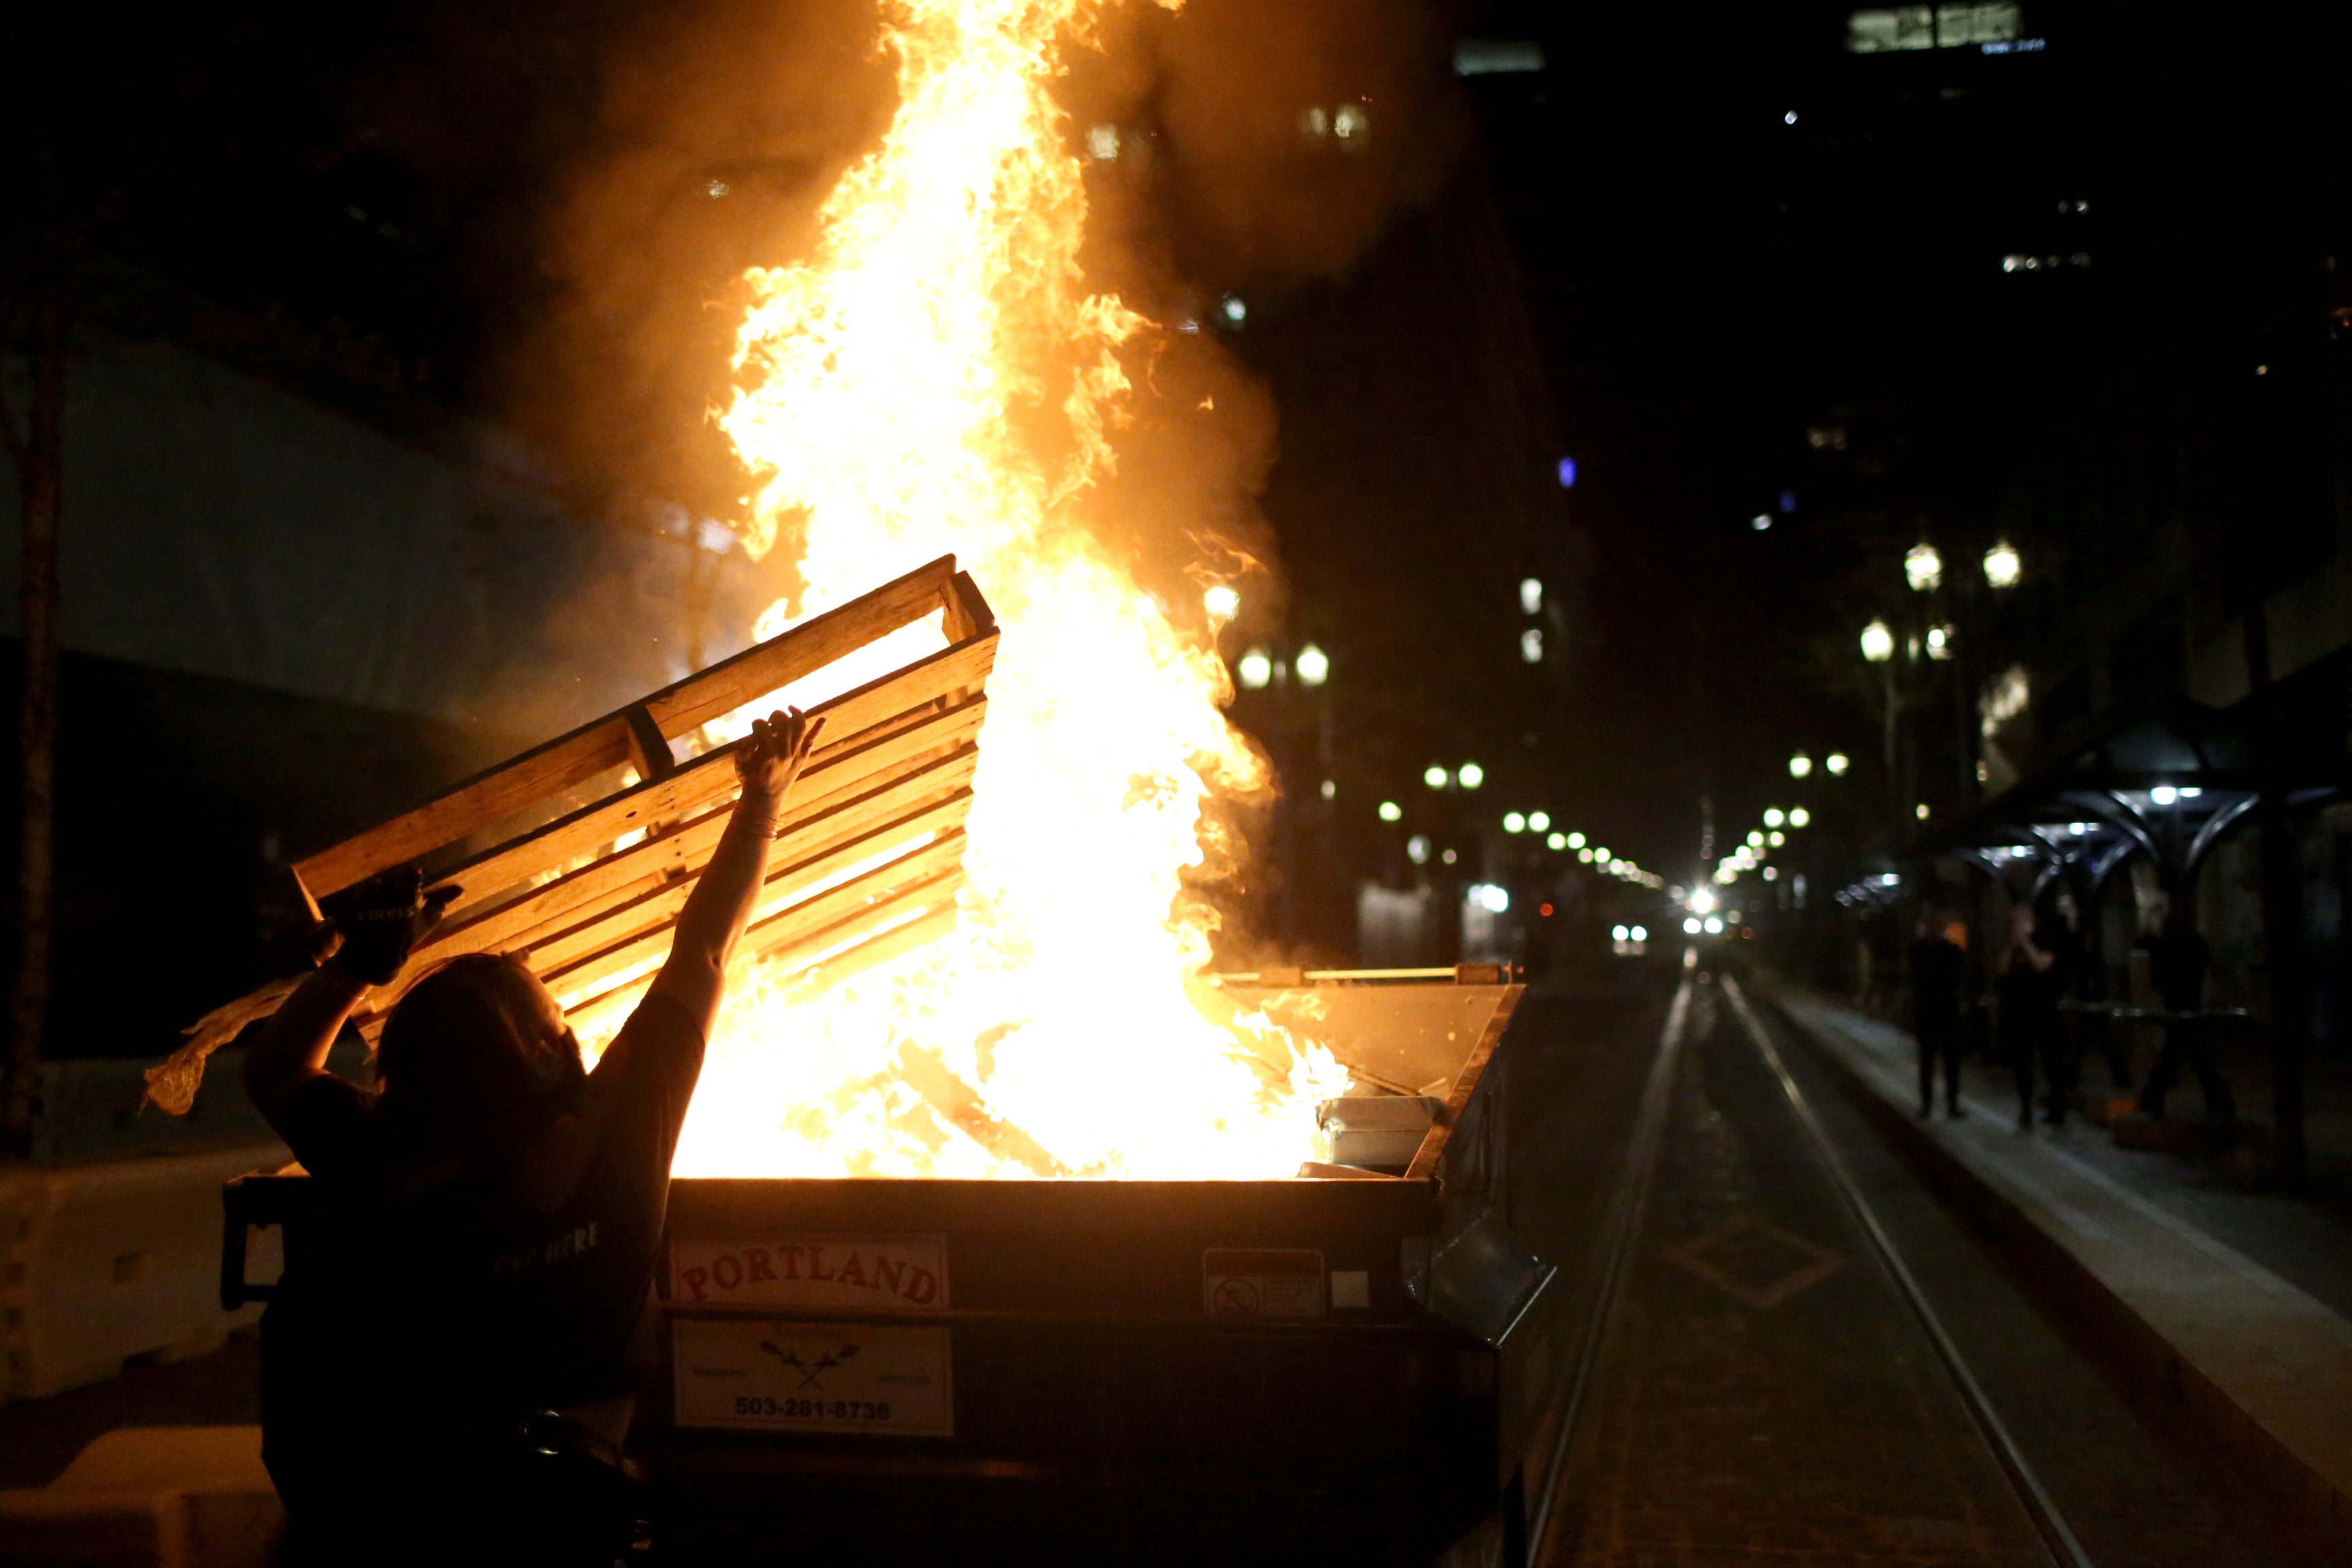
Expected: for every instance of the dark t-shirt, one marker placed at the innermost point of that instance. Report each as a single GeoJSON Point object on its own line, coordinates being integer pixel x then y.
{"type": "Point", "coordinates": [2177, 962]}
{"type": "Point", "coordinates": [426, 1310]}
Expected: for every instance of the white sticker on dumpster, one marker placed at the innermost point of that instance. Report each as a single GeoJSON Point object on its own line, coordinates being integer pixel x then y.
{"type": "Point", "coordinates": [828, 1273]}
{"type": "Point", "coordinates": [766, 1375]}
{"type": "Point", "coordinates": [1262, 1282]}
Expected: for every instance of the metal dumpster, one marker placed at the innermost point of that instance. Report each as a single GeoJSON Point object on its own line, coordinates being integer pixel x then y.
{"type": "Point", "coordinates": [1341, 1364]}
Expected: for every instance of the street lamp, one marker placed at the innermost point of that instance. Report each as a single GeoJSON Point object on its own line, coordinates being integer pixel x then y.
{"type": "Point", "coordinates": [1800, 766]}
{"type": "Point", "coordinates": [1223, 604]}
{"type": "Point", "coordinates": [1923, 568]}
{"type": "Point", "coordinates": [1539, 820]}
{"type": "Point", "coordinates": [1433, 776]}
{"type": "Point", "coordinates": [1313, 666]}
{"type": "Point", "coordinates": [1391, 812]}
{"type": "Point", "coordinates": [1470, 775]}
{"type": "Point", "coordinates": [1257, 669]}
{"type": "Point", "coordinates": [2001, 565]}
{"type": "Point", "coordinates": [1837, 765]}
{"type": "Point", "coordinates": [1877, 645]}
{"type": "Point", "coordinates": [1799, 817]}
{"type": "Point", "coordinates": [1774, 817]}
{"type": "Point", "coordinates": [1514, 823]}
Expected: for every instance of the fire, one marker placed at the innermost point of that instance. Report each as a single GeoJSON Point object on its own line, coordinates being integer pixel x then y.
{"type": "Point", "coordinates": [935, 376]}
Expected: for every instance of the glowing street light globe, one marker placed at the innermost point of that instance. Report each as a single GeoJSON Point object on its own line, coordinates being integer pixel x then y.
{"type": "Point", "coordinates": [1256, 669]}
{"type": "Point", "coordinates": [1223, 602]}
{"type": "Point", "coordinates": [1313, 665]}
{"type": "Point", "coordinates": [1923, 568]}
{"type": "Point", "coordinates": [2003, 566]}
{"type": "Point", "coordinates": [1774, 817]}
{"type": "Point", "coordinates": [1470, 775]}
{"type": "Point", "coordinates": [1576, 841]}
{"type": "Point", "coordinates": [1433, 776]}
{"type": "Point", "coordinates": [1391, 812]}
{"type": "Point", "coordinates": [1514, 823]}
{"type": "Point", "coordinates": [1799, 817]}
{"type": "Point", "coordinates": [1877, 643]}
{"type": "Point", "coordinates": [1556, 841]}
{"type": "Point", "coordinates": [1539, 820]}
{"type": "Point", "coordinates": [1837, 765]}
{"type": "Point", "coordinates": [1800, 766]}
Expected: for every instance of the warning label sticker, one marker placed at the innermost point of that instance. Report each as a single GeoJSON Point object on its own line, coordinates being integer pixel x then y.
{"type": "Point", "coordinates": [886, 1382]}
{"type": "Point", "coordinates": [1262, 1282]}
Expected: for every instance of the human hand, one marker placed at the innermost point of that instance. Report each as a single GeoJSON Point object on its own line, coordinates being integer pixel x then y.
{"type": "Point", "coordinates": [772, 756]}
{"type": "Point", "coordinates": [382, 919]}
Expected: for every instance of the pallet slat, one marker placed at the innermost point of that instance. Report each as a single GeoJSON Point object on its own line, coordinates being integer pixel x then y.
{"type": "Point", "coordinates": [571, 760]}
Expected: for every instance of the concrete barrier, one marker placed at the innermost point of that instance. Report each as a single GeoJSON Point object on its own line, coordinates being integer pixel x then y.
{"type": "Point", "coordinates": [107, 1261]}
{"type": "Point", "coordinates": [150, 1497]}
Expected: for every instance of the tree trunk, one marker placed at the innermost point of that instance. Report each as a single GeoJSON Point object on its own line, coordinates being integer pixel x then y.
{"type": "Point", "coordinates": [40, 477]}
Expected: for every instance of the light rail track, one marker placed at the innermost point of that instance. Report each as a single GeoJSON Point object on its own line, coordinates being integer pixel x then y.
{"type": "Point", "coordinates": [1618, 1251]}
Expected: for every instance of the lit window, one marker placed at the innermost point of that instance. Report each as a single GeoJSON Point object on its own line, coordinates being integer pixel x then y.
{"type": "Point", "coordinates": [1531, 595]}
{"type": "Point", "coordinates": [2011, 693]}
{"type": "Point", "coordinates": [1315, 123]}
{"type": "Point", "coordinates": [1972, 24]}
{"type": "Point", "coordinates": [1531, 646]}
{"type": "Point", "coordinates": [1102, 142]}
{"type": "Point", "coordinates": [1825, 437]}
{"type": "Point", "coordinates": [1351, 125]}
{"type": "Point", "coordinates": [1496, 57]}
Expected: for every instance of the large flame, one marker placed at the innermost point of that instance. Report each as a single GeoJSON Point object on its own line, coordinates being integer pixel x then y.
{"type": "Point", "coordinates": [935, 376]}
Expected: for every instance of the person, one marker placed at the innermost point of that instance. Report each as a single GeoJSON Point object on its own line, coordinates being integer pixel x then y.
{"type": "Point", "coordinates": [2178, 959]}
{"type": "Point", "coordinates": [2030, 980]}
{"type": "Point", "coordinates": [449, 1367]}
{"type": "Point", "coordinates": [1938, 975]}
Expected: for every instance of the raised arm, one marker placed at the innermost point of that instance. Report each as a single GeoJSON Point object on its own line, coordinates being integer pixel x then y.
{"type": "Point", "coordinates": [721, 905]}
{"type": "Point", "coordinates": [385, 919]}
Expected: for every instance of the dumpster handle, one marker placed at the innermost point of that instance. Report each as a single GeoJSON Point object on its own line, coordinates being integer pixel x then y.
{"type": "Point", "coordinates": [235, 1221]}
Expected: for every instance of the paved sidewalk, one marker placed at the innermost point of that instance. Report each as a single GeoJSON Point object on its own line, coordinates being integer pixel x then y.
{"type": "Point", "coordinates": [2259, 1356]}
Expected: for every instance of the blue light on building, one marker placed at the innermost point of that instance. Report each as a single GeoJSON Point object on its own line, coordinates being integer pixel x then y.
{"type": "Point", "coordinates": [1568, 473]}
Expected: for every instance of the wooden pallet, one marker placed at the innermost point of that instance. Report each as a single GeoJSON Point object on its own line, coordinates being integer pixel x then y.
{"type": "Point", "coordinates": [578, 855]}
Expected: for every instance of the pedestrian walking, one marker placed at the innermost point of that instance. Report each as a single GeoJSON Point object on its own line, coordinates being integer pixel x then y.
{"type": "Point", "coordinates": [2031, 983]}
{"type": "Point", "coordinates": [2177, 960]}
{"type": "Point", "coordinates": [1938, 975]}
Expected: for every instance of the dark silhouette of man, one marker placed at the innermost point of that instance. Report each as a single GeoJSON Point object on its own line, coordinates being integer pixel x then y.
{"type": "Point", "coordinates": [1938, 975]}
{"type": "Point", "coordinates": [2032, 980]}
{"type": "Point", "coordinates": [2178, 959]}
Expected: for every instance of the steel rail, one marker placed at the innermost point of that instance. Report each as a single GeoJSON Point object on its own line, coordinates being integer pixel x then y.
{"type": "Point", "coordinates": [2057, 1536]}
{"type": "Point", "coordinates": [1628, 1207]}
